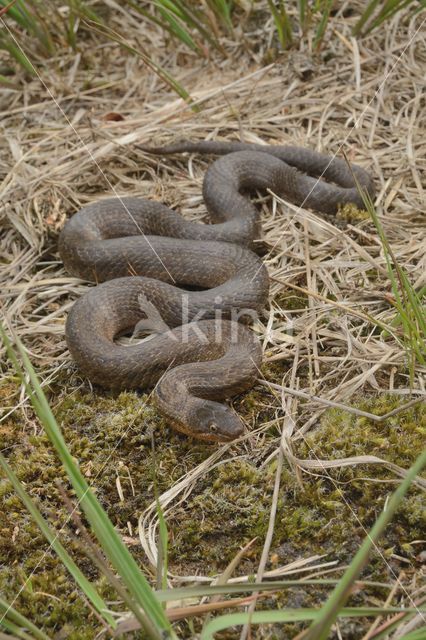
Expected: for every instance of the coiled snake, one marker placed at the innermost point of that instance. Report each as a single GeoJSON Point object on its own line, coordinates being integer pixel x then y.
{"type": "Point", "coordinates": [200, 278]}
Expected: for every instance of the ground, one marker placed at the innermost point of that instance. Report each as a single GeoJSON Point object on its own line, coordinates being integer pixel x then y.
{"type": "Point", "coordinates": [60, 150]}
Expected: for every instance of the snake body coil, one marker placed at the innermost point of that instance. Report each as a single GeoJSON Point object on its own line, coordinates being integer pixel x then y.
{"type": "Point", "coordinates": [200, 278]}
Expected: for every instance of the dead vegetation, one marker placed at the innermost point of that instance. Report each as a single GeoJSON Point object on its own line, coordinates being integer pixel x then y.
{"type": "Point", "coordinates": [69, 137]}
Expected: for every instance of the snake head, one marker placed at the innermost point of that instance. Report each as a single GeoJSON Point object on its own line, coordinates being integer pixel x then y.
{"type": "Point", "coordinates": [214, 422]}
{"type": "Point", "coordinates": [198, 418]}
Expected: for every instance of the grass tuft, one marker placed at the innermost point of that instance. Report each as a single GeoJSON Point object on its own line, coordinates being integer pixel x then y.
{"type": "Point", "coordinates": [372, 19]}
{"type": "Point", "coordinates": [409, 304]}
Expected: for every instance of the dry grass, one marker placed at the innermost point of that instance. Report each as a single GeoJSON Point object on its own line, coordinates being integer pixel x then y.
{"type": "Point", "coordinates": [60, 149]}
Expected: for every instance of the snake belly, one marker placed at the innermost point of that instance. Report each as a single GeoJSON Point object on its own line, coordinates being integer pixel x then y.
{"type": "Point", "coordinates": [203, 280]}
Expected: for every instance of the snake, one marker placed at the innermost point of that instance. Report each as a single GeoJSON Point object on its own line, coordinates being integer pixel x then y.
{"type": "Point", "coordinates": [197, 287]}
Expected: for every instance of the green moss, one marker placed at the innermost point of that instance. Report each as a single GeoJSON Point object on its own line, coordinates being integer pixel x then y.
{"type": "Point", "coordinates": [291, 300]}
{"type": "Point", "coordinates": [112, 436]}
{"type": "Point", "coordinates": [329, 515]}
{"type": "Point", "coordinates": [399, 439]}
{"type": "Point", "coordinates": [221, 517]}
{"type": "Point", "coordinates": [350, 213]}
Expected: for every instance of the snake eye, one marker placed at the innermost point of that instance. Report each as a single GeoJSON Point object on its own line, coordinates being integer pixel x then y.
{"type": "Point", "coordinates": [213, 428]}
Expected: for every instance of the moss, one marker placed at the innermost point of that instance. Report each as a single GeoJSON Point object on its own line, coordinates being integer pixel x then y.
{"type": "Point", "coordinates": [350, 213]}
{"type": "Point", "coordinates": [346, 499]}
{"type": "Point", "coordinates": [290, 300]}
{"type": "Point", "coordinates": [111, 436]}
{"type": "Point", "coordinates": [221, 517]}
{"type": "Point", "coordinates": [329, 515]}
{"type": "Point", "coordinates": [121, 436]}
{"type": "Point", "coordinates": [48, 597]}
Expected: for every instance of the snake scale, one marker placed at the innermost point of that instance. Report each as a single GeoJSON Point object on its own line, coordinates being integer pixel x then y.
{"type": "Point", "coordinates": [200, 277]}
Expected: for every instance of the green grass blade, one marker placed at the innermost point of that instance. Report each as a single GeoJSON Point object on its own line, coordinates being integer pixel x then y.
{"type": "Point", "coordinates": [365, 17]}
{"type": "Point", "coordinates": [162, 73]}
{"type": "Point", "coordinates": [325, 15]}
{"type": "Point", "coordinates": [163, 543]}
{"type": "Point", "coordinates": [303, 13]}
{"type": "Point", "coordinates": [71, 31]}
{"type": "Point", "coordinates": [83, 10]}
{"type": "Point", "coordinates": [413, 298]}
{"type": "Point", "coordinates": [40, 28]}
{"type": "Point", "coordinates": [163, 547]}
{"type": "Point", "coordinates": [288, 616]}
{"type": "Point", "coordinates": [177, 30]}
{"type": "Point", "coordinates": [330, 610]}
{"type": "Point", "coordinates": [407, 302]}
{"type": "Point", "coordinates": [188, 17]}
{"type": "Point", "coordinates": [387, 11]}
{"type": "Point", "coordinates": [15, 622]}
{"type": "Point", "coordinates": [13, 629]}
{"type": "Point", "coordinates": [18, 55]}
{"type": "Point", "coordinates": [282, 23]}
{"type": "Point", "coordinates": [422, 5]}
{"type": "Point", "coordinates": [6, 7]}
{"type": "Point", "coordinates": [18, 13]}
{"type": "Point", "coordinates": [166, 26]}
{"type": "Point", "coordinates": [181, 593]}
{"type": "Point", "coordinates": [7, 82]}
{"type": "Point", "coordinates": [84, 584]}
{"type": "Point", "coordinates": [154, 621]}
{"type": "Point", "coordinates": [420, 296]}
{"type": "Point", "coordinates": [222, 9]}
{"type": "Point", "coordinates": [183, 11]}
{"type": "Point", "coordinates": [32, 21]}
{"type": "Point", "coordinates": [418, 634]}
{"type": "Point", "coordinates": [77, 9]}
{"type": "Point", "coordinates": [174, 7]}
{"type": "Point", "coordinates": [392, 626]}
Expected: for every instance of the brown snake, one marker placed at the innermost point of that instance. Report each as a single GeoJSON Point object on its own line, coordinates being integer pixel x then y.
{"type": "Point", "coordinates": [199, 277]}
